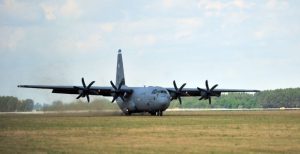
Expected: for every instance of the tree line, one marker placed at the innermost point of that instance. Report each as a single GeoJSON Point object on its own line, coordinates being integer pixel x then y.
{"type": "Point", "coordinates": [288, 98]}
{"type": "Point", "coordinates": [12, 104]}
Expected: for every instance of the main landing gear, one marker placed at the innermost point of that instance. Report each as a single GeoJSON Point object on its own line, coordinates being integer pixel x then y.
{"type": "Point", "coordinates": [128, 114]}
{"type": "Point", "coordinates": [157, 113]}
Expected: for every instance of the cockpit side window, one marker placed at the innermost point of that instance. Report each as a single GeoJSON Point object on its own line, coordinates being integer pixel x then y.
{"type": "Point", "coordinates": [154, 91]}
{"type": "Point", "coordinates": [162, 91]}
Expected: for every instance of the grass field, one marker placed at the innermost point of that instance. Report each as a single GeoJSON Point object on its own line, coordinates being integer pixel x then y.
{"type": "Point", "coordinates": [176, 132]}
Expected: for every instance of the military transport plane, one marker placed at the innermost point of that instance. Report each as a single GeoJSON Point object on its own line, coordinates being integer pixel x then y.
{"type": "Point", "coordinates": [150, 99]}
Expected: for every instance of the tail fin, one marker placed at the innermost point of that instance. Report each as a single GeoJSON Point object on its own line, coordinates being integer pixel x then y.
{"type": "Point", "coordinates": [120, 70]}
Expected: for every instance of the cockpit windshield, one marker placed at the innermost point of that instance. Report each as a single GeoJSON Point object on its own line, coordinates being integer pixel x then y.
{"type": "Point", "coordinates": [156, 91]}
{"type": "Point", "coordinates": [163, 92]}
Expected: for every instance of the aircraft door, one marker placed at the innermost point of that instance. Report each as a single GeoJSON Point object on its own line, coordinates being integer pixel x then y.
{"type": "Point", "coordinates": [148, 100]}
{"type": "Point", "coordinates": [141, 100]}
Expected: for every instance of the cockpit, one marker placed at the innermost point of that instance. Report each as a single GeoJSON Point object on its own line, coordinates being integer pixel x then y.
{"type": "Point", "coordinates": [158, 91]}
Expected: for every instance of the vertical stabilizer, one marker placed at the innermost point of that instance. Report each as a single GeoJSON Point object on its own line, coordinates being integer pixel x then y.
{"type": "Point", "coordinates": [120, 70]}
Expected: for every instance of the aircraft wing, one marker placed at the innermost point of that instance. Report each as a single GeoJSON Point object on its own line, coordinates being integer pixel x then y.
{"type": "Point", "coordinates": [204, 93]}
{"type": "Point", "coordinates": [104, 91]}
{"type": "Point", "coordinates": [197, 92]}
{"type": "Point", "coordinates": [86, 90]}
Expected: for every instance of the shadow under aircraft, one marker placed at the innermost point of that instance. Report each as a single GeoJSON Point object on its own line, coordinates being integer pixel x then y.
{"type": "Point", "coordinates": [152, 99]}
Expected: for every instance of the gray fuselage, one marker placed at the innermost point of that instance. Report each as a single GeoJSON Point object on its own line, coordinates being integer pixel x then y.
{"type": "Point", "coordinates": [145, 99]}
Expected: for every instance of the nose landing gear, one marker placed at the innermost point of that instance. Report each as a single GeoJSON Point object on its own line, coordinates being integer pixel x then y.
{"type": "Point", "coordinates": [157, 113]}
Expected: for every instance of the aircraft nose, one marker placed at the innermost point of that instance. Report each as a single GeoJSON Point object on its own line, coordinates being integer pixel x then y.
{"type": "Point", "coordinates": [164, 102]}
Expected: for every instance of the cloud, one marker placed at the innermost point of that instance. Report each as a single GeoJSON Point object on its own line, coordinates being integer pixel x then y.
{"type": "Point", "coordinates": [186, 27]}
{"type": "Point", "coordinates": [144, 40]}
{"type": "Point", "coordinates": [106, 27]}
{"type": "Point", "coordinates": [168, 3]}
{"type": "Point", "coordinates": [18, 10]}
{"type": "Point", "coordinates": [53, 11]}
{"type": "Point", "coordinates": [259, 34]}
{"type": "Point", "coordinates": [91, 43]}
{"type": "Point", "coordinates": [276, 21]}
{"type": "Point", "coordinates": [241, 4]}
{"type": "Point", "coordinates": [10, 38]}
{"type": "Point", "coordinates": [70, 8]}
{"type": "Point", "coordinates": [183, 34]}
{"type": "Point", "coordinates": [212, 5]}
{"type": "Point", "coordinates": [149, 32]}
{"type": "Point", "coordinates": [221, 8]}
{"type": "Point", "coordinates": [49, 11]}
{"type": "Point", "coordinates": [191, 22]}
{"type": "Point", "coordinates": [277, 4]}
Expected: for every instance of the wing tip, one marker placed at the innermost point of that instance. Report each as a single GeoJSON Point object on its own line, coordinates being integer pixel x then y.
{"type": "Point", "coordinates": [22, 86]}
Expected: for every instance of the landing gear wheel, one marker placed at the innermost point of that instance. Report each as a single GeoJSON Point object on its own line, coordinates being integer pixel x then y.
{"type": "Point", "coordinates": [128, 114]}
{"type": "Point", "coordinates": [153, 113]}
{"type": "Point", "coordinates": [159, 113]}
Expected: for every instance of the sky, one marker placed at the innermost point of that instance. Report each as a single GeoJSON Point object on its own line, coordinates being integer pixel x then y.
{"type": "Point", "coordinates": [234, 43]}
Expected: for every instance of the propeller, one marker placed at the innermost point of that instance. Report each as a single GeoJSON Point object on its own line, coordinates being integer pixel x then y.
{"type": "Point", "coordinates": [208, 92]}
{"type": "Point", "coordinates": [177, 91]}
{"type": "Point", "coordinates": [117, 91]}
{"type": "Point", "coordinates": [85, 91]}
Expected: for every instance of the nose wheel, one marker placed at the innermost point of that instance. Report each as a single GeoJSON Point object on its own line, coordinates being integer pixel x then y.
{"type": "Point", "coordinates": [160, 113]}
{"type": "Point", "coordinates": [157, 113]}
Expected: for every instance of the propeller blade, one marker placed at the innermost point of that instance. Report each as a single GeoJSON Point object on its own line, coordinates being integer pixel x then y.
{"type": "Point", "coordinates": [79, 96]}
{"type": "Point", "coordinates": [206, 84]}
{"type": "Point", "coordinates": [201, 98]}
{"type": "Point", "coordinates": [122, 98]}
{"type": "Point", "coordinates": [180, 89]}
{"type": "Point", "coordinates": [114, 98]}
{"type": "Point", "coordinates": [200, 89]}
{"type": "Point", "coordinates": [175, 86]}
{"type": "Point", "coordinates": [117, 93]}
{"type": "Point", "coordinates": [120, 85]}
{"type": "Point", "coordinates": [113, 85]}
{"type": "Point", "coordinates": [213, 87]}
{"type": "Point", "coordinates": [83, 83]}
{"type": "Point", "coordinates": [179, 98]}
{"type": "Point", "coordinates": [177, 92]}
{"type": "Point", "coordinates": [206, 94]}
{"type": "Point", "coordinates": [85, 91]}
{"type": "Point", "coordinates": [88, 98]}
{"type": "Point", "coordinates": [89, 86]}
